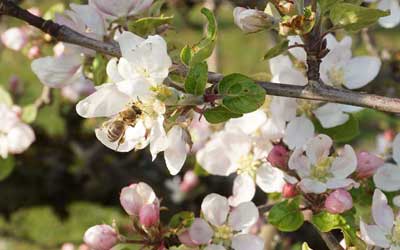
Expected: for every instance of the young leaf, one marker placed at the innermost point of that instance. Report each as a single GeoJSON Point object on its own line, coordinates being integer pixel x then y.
{"type": "Point", "coordinates": [5, 97]}
{"type": "Point", "coordinates": [326, 5]}
{"type": "Point", "coordinates": [241, 94]}
{"type": "Point", "coordinates": [146, 25]}
{"type": "Point", "coordinates": [219, 114]}
{"type": "Point", "coordinates": [183, 218]}
{"type": "Point", "coordinates": [277, 50]}
{"type": "Point", "coordinates": [202, 50]}
{"type": "Point", "coordinates": [286, 216]}
{"type": "Point", "coordinates": [326, 222]}
{"type": "Point", "coordinates": [29, 113]}
{"type": "Point", "coordinates": [196, 79]}
{"type": "Point", "coordinates": [341, 133]}
{"type": "Point", "coordinates": [353, 17]}
{"type": "Point", "coordinates": [6, 167]}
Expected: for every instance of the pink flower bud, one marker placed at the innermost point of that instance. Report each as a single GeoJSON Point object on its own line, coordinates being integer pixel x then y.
{"type": "Point", "coordinates": [190, 181]}
{"type": "Point", "coordinates": [279, 156]}
{"type": "Point", "coordinates": [14, 38]}
{"type": "Point", "coordinates": [34, 52]}
{"type": "Point", "coordinates": [185, 239]}
{"type": "Point", "coordinates": [83, 247]}
{"type": "Point", "coordinates": [101, 237]}
{"type": "Point", "coordinates": [367, 164]}
{"type": "Point", "coordinates": [338, 201]}
{"type": "Point", "coordinates": [134, 197]}
{"type": "Point", "coordinates": [289, 190]}
{"type": "Point", "coordinates": [68, 246]}
{"type": "Point", "coordinates": [149, 215]}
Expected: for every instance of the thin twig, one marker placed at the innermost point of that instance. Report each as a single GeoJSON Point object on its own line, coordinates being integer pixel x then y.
{"type": "Point", "coordinates": [319, 93]}
{"type": "Point", "coordinates": [44, 98]}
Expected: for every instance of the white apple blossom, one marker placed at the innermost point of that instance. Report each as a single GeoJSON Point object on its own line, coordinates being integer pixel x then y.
{"type": "Point", "coordinates": [225, 229]}
{"type": "Point", "coordinates": [15, 136]}
{"type": "Point", "coordinates": [318, 170]}
{"type": "Point", "coordinates": [14, 38]}
{"type": "Point", "coordinates": [385, 233]}
{"type": "Point", "coordinates": [114, 9]}
{"type": "Point", "coordinates": [393, 6]}
{"type": "Point", "coordinates": [136, 81]}
{"type": "Point", "coordinates": [242, 147]}
{"type": "Point", "coordinates": [387, 177]}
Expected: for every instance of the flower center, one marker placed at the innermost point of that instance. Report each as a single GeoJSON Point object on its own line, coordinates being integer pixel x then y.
{"type": "Point", "coordinates": [248, 165]}
{"type": "Point", "coordinates": [321, 171]}
{"type": "Point", "coordinates": [336, 76]}
{"type": "Point", "coordinates": [223, 233]}
{"type": "Point", "coordinates": [396, 232]}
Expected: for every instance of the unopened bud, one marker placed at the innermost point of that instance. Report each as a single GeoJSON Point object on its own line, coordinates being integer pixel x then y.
{"type": "Point", "coordinates": [367, 164]}
{"type": "Point", "coordinates": [135, 196]}
{"type": "Point", "coordinates": [101, 237]}
{"type": "Point", "coordinates": [251, 20]}
{"type": "Point", "coordinates": [338, 201]}
{"type": "Point", "coordinates": [289, 190]}
{"type": "Point", "coordinates": [34, 52]}
{"type": "Point", "coordinates": [279, 156]}
{"type": "Point", "coordinates": [149, 215]}
{"type": "Point", "coordinates": [190, 181]}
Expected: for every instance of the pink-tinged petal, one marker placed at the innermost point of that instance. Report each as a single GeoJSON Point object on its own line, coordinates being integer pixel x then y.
{"type": "Point", "coordinates": [335, 183]}
{"type": "Point", "coordinates": [243, 190]}
{"type": "Point", "coordinates": [318, 148]}
{"type": "Point", "coordinates": [200, 232]}
{"type": "Point", "coordinates": [373, 235]}
{"type": "Point", "coordinates": [270, 179]}
{"type": "Point", "coordinates": [19, 138]}
{"type": "Point", "coordinates": [101, 237]}
{"type": "Point", "coordinates": [215, 209]}
{"type": "Point", "coordinates": [135, 196]}
{"type": "Point", "coordinates": [246, 242]}
{"type": "Point", "coordinates": [243, 216]}
{"type": "Point", "coordinates": [298, 132]}
{"type": "Point", "coordinates": [299, 162]}
{"type": "Point", "coordinates": [214, 247]}
{"type": "Point", "coordinates": [367, 164]}
{"type": "Point", "coordinates": [107, 101]}
{"type": "Point", "coordinates": [361, 70]}
{"type": "Point", "coordinates": [175, 154]}
{"type": "Point", "coordinates": [396, 149]}
{"type": "Point", "coordinates": [312, 186]}
{"type": "Point", "coordinates": [387, 177]}
{"type": "Point", "coordinates": [382, 212]}
{"type": "Point", "coordinates": [345, 164]}
{"type": "Point", "coordinates": [338, 201]}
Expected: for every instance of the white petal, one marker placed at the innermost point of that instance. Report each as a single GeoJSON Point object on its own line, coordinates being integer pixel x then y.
{"type": "Point", "coordinates": [299, 53]}
{"type": "Point", "coordinates": [243, 216]}
{"type": "Point", "coordinates": [279, 63]}
{"type": "Point", "coordinates": [137, 88]}
{"type": "Point", "coordinates": [382, 212]}
{"type": "Point", "coordinates": [292, 76]}
{"type": "Point", "coordinates": [246, 242]}
{"type": "Point", "coordinates": [373, 235]}
{"type": "Point", "coordinates": [393, 19]}
{"type": "Point", "coordinates": [243, 190]}
{"type": "Point", "coordinates": [175, 154]}
{"type": "Point", "coordinates": [112, 71]}
{"type": "Point", "coordinates": [330, 115]}
{"type": "Point", "coordinates": [200, 232]}
{"type": "Point", "coordinates": [270, 179]}
{"type": "Point", "coordinates": [312, 186]}
{"type": "Point", "coordinates": [298, 132]}
{"type": "Point", "coordinates": [335, 183]}
{"type": "Point", "coordinates": [350, 108]}
{"type": "Point", "coordinates": [158, 137]}
{"type": "Point", "coordinates": [299, 162]}
{"type": "Point", "coordinates": [345, 164]}
{"type": "Point", "coordinates": [91, 18]}
{"type": "Point", "coordinates": [128, 42]}
{"type": "Point", "coordinates": [214, 247]}
{"type": "Point", "coordinates": [387, 177]}
{"type": "Point", "coordinates": [318, 148]}
{"type": "Point", "coordinates": [19, 138]}
{"type": "Point", "coordinates": [215, 209]}
{"type": "Point", "coordinates": [248, 123]}
{"type": "Point", "coordinates": [396, 200]}
{"type": "Point", "coordinates": [361, 70]}
{"type": "Point", "coordinates": [396, 149]}
{"type": "Point", "coordinates": [107, 101]}
{"type": "Point", "coordinates": [283, 107]}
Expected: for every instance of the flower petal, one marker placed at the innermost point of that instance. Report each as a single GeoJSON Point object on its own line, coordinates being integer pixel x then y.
{"type": "Point", "coordinates": [331, 115]}
{"type": "Point", "coordinates": [318, 148]}
{"type": "Point", "coordinates": [19, 138]}
{"type": "Point", "coordinates": [361, 70]}
{"type": "Point", "coordinates": [299, 162]}
{"type": "Point", "coordinates": [382, 212]}
{"type": "Point", "coordinates": [298, 132]}
{"type": "Point", "coordinates": [214, 247]}
{"type": "Point", "coordinates": [373, 235]}
{"type": "Point", "coordinates": [243, 190]}
{"type": "Point", "coordinates": [215, 209]}
{"type": "Point", "coordinates": [270, 179]}
{"type": "Point", "coordinates": [200, 232]}
{"type": "Point", "coordinates": [345, 164]}
{"type": "Point", "coordinates": [246, 242]}
{"type": "Point", "coordinates": [393, 19]}
{"type": "Point", "coordinates": [177, 150]}
{"type": "Point", "coordinates": [387, 177]}
{"type": "Point", "coordinates": [248, 123]}
{"type": "Point", "coordinates": [243, 216]}
{"type": "Point", "coordinates": [312, 186]}
{"type": "Point", "coordinates": [396, 149]}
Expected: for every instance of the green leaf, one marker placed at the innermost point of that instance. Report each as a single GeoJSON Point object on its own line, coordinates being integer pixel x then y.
{"type": "Point", "coordinates": [29, 113]}
{"type": "Point", "coordinates": [286, 215]}
{"type": "Point", "coordinates": [202, 50]}
{"type": "Point", "coordinates": [147, 25]}
{"type": "Point", "coordinates": [353, 17]}
{"type": "Point", "coordinates": [241, 94]}
{"type": "Point", "coordinates": [326, 5]}
{"type": "Point", "coordinates": [5, 97]}
{"type": "Point", "coordinates": [277, 50]}
{"type": "Point", "coordinates": [341, 133]}
{"type": "Point", "coordinates": [199, 170]}
{"type": "Point", "coordinates": [196, 79]}
{"type": "Point", "coordinates": [99, 66]}
{"type": "Point", "coordinates": [53, 10]}
{"type": "Point", "coordinates": [219, 114]}
{"type": "Point", "coordinates": [183, 218]}
{"type": "Point", "coordinates": [326, 222]}
{"type": "Point", "coordinates": [6, 167]}
{"type": "Point", "coordinates": [305, 246]}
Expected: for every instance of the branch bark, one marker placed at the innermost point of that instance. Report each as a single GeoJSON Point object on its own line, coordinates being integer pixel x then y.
{"type": "Point", "coordinates": [310, 92]}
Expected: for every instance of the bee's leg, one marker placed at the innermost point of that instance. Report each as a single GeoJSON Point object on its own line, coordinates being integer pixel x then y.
{"type": "Point", "coordinates": [120, 141]}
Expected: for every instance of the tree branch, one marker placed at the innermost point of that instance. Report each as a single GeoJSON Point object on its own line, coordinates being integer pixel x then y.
{"type": "Point", "coordinates": [310, 92]}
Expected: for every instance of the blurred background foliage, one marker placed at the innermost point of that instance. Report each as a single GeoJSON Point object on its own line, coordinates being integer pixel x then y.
{"type": "Point", "coordinates": [67, 181]}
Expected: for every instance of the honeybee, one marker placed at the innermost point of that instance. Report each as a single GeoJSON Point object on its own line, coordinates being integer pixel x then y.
{"type": "Point", "coordinates": [116, 127]}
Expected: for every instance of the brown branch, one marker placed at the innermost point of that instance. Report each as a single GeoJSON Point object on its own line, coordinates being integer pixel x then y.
{"type": "Point", "coordinates": [331, 242]}
{"type": "Point", "coordinates": [310, 92]}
